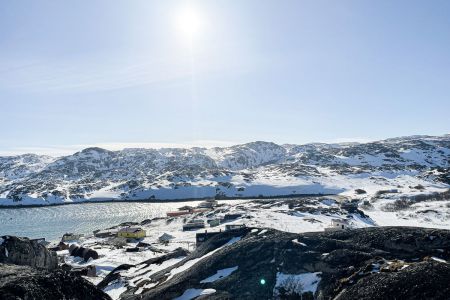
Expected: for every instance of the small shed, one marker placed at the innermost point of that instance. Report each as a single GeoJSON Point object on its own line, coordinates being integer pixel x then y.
{"type": "Point", "coordinates": [194, 224]}
{"type": "Point", "coordinates": [234, 227]}
{"type": "Point", "coordinates": [230, 217]}
{"type": "Point", "coordinates": [338, 224]}
{"type": "Point", "coordinates": [68, 236]}
{"type": "Point", "coordinates": [208, 204]}
{"type": "Point", "coordinates": [213, 222]}
{"type": "Point", "coordinates": [132, 232]}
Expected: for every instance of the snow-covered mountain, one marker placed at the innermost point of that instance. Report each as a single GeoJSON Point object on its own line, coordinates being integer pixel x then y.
{"type": "Point", "coordinates": [255, 169]}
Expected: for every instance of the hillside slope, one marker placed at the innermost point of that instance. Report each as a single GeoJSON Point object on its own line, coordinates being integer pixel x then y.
{"type": "Point", "coordinates": [365, 263]}
{"type": "Point", "coordinates": [249, 170]}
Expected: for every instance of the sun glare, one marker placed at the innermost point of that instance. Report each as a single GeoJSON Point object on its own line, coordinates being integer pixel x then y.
{"type": "Point", "coordinates": [189, 22]}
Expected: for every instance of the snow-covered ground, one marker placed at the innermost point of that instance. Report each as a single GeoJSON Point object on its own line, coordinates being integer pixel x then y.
{"type": "Point", "coordinates": [296, 284]}
{"type": "Point", "coordinates": [248, 170]}
{"type": "Point", "coordinates": [292, 215]}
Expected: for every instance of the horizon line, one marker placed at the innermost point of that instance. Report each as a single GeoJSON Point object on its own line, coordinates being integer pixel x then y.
{"type": "Point", "coordinates": [65, 150]}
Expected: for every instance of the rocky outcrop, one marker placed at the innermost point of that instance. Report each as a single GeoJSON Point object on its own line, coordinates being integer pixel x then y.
{"type": "Point", "coordinates": [23, 282]}
{"type": "Point", "coordinates": [23, 251]}
{"type": "Point", "coordinates": [381, 262]}
{"type": "Point", "coordinates": [424, 280]}
{"type": "Point", "coordinates": [116, 274]}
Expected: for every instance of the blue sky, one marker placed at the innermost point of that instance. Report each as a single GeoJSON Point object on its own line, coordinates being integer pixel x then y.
{"type": "Point", "coordinates": [123, 73]}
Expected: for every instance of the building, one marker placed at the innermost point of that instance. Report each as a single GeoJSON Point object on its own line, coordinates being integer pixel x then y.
{"type": "Point", "coordinates": [194, 224]}
{"type": "Point", "coordinates": [234, 227]}
{"type": "Point", "coordinates": [132, 232]}
{"type": "Point", "coordinates": [70, 237]}
{"type": "Point", "coordinates": [200, 238]}
{"type": "Point", "coordinates": [338, 224]}
{"type": "Point", "coordinates": [214, 222]}
{"type": "Point", "coordinates": [104, 233]}
{"type": "Point", "coordinates": [41, 241]}
{"type": "Point", "coordinates": [208, 204]}
{"type": "Point", "coordinates": [230, 217]}
{"type": "Point", "coordinates": [178, 213]}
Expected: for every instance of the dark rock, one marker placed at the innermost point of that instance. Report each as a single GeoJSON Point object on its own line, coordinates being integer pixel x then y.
{"type": "Point", "coordinates": [146, 222]}
{"type": "Point", "coordinates": [348, 261]}
{"type": "Point", "coordinates": [115, 274]}
{"type": "Point", "coordinates": [424, 280]}
{"type": "Point", "coordinates": [23, 282]}
{"type": "Point", "coordinates": [23, 251]}
{"type": "Point", "coordinates": [85, 253]}
{"type": "Point", "coordinates": [133, 249]}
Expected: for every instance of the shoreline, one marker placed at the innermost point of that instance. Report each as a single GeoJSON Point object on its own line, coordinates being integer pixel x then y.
{"type": "Point", "coordinates": [22, 206]}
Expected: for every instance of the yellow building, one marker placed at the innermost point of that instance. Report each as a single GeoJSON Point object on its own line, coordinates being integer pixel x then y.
{"type": "Point", "coordinates": [132, 232]}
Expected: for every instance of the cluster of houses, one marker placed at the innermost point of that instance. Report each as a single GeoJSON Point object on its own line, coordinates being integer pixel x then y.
{"type": "Point", "coordinates": [202, 237]}
{"type": "Point", "coordinates": [195, 224]}
{"type": "Point", "coordinates": [126, 232]}
{"type": "Point", "coordinates": [188, 210]}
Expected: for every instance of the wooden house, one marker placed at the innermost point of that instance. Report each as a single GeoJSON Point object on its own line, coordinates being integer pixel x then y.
{"type": "Point", "coordinates": [131, 233]}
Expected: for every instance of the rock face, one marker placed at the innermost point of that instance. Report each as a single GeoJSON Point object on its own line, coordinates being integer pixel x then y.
{"type": "Point", "coordinates": [366, 263]}
{"type": "Point", "coordinates": [424, 280]}
{"type": "Point", "coordinates": [23, 251]}
{"type": "Point", "coordinates": [23, 282]}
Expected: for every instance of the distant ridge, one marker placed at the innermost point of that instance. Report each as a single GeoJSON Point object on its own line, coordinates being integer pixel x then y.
{"type": "Point", "coordinates": [247, 170]}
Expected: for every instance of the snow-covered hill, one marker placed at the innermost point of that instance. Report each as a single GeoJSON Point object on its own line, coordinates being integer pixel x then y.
{"type": "Point", "coordinates": [408, 165]}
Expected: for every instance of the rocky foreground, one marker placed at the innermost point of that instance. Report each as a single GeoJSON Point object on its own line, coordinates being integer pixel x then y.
{"type": "Point", "coordinates": [29, 271]}
{"type": "Point", "coordinates": [252, 263]}
{"type": "Point", "coordinates": [369, 263]}
{"type": "Point", "coordinates": [22, 282]}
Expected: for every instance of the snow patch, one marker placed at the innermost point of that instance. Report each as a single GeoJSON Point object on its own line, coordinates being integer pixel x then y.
{"type": "Point", "coordinates": [220, 274]}
{"type": "Point", "coordinates": [115, 290]}
{"type": "Point", "coordinates": [233, 240]}
{"type": "Point", "coordinates": [192, 262]}
{"type": "Point", "coordinates": [193, 293]}
{"type": "Point", "coordinates": [438, 259]}
{"type": "Point", "coordinates": [296, 241]}
{"type": "Point", "coordinates": [296, 284]}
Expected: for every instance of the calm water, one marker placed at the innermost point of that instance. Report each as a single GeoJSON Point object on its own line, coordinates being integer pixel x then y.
{"type": "Point", "coordinates": [53, 221]}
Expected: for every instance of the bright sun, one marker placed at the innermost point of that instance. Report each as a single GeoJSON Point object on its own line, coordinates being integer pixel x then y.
{"type": "Point", "coordinates": [189, 22]}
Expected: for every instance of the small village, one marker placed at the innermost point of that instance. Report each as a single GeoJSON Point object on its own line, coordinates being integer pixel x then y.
{"type": "Point", "coordinates": [95, 256]}
{"type": "Point", "coordinates": [133, 257]}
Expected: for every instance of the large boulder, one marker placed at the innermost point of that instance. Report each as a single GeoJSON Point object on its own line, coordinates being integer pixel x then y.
{"type": "Point", "coordinates": [23, 282]}
{"type": "Point", "coordinates": [23, 251]}
{"type": "Point", "coordinates": [82, 252]}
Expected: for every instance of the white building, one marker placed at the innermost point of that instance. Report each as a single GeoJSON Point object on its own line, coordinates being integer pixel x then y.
{"type": "Point", "coordinates": [338, 224]}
